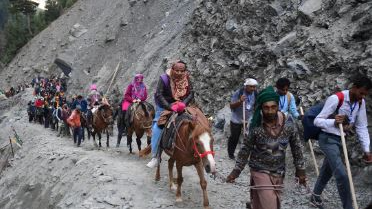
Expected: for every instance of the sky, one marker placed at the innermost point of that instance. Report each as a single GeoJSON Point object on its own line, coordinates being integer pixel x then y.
{"type": "Point", "coordinates": [41, 3]}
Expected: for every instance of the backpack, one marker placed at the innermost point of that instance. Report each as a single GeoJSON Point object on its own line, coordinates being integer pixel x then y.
{"type": "Point", "coordinates": [310, 130]}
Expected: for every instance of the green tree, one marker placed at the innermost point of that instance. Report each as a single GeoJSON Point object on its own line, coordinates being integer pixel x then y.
{"type": "Point", "coordinates": [4, 5]}
{"type": "Point", "coordinates": [26, 7]}
{"type": "Point", "coordinates": [38, 22]}
{"type": "Point", "coordinates": [53, 10]}
{"type": "Point", "coordinates": [16, 34]}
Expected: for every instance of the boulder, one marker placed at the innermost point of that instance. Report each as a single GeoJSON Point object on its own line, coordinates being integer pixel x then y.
{"type": "Point", "coordinates": [310, 6]}
{"type": "Point", "coordinates": [231, 25]}
{"type": "Point", "coordinates": [77, 30]}
{"type": "Point", "coordinates": [298, 67]}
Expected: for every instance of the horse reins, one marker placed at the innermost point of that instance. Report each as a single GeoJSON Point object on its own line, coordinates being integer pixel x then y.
{"type": "Point", "coordinates": [194, 147]}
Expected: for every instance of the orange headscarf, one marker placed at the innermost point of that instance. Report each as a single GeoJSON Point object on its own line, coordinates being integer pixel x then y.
{"type": "Point", "coordinates": [179, 83]}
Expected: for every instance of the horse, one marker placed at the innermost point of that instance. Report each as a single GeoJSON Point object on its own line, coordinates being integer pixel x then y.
{"type": "Point", "coordinates": [39, 115]}
{"type": "Point", "coordinates": [193, 146]}
{"type": "Point", "coordinates": [102, 119]}
{"type": "Point", "coordinates": [84, 125]}
{"type": "Point", "coordinates": [143, 115]}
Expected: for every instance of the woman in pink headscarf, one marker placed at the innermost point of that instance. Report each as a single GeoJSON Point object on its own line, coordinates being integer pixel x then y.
{"type": "Point", "coordinates": [135, 92]}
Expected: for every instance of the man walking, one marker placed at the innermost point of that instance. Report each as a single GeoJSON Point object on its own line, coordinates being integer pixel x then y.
{"type": "Point", "coordinates": [266, 145]}
{"type": "Point", "coordinates": [351, 112]}
{"type": "Point", "coordinates": [245, 95]}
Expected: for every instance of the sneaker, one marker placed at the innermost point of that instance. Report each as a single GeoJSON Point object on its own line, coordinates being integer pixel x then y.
{"type": "Point", "coordinates": [153, 163]}
{"type": "Point", "coordinates": [117, 145]}
{"type": "Point", "coordinates": [316, 201]}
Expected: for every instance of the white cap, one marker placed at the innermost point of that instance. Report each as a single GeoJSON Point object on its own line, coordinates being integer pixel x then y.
{"type": "Point", "coordinates": [250, 82]}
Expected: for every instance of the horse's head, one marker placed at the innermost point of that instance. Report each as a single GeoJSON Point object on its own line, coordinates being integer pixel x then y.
{"type": "Point", "coordinates": [145, 113]}
{"type": "Point", "coordinates": [203, 146]}
{"type": "Point", "coordinates": [107, 114]}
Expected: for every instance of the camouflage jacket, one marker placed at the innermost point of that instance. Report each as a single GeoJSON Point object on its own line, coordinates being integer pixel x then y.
{"type": "Point", "coordinates": [267, 153]}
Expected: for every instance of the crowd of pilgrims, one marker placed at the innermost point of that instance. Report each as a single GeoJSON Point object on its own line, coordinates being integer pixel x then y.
{"type": "Point", "coordinates": [271, 115]}
{"type": "Point", "coordinates": [49, 105]}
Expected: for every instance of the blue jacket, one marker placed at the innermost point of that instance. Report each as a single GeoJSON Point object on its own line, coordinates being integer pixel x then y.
{"type": "Point", "coordinates": [83, 104]}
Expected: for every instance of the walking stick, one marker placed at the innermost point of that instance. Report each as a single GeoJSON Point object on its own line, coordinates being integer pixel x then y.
{"type": "Point", "coordinates": [311, 150]}
{"type": "Point", "coordinates": [244, 128]}
{"type": "Point", "coordinates": [348, 166]}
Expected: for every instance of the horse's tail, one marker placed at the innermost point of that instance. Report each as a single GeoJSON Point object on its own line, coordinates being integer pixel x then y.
{"type": "Point", "coordinates": [143, 105]}
{"type": "Point", "coordinates": [145, 152]}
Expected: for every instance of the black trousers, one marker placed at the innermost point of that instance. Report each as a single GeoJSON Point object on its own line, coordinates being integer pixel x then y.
{"type": "Point", "coordinates": [235, 130]}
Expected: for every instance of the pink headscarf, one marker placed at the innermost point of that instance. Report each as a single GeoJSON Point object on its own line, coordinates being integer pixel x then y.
{"type": "Point", "coordinates": [139, 89]}
{"type": "Point", "coordinates": [93, 87]}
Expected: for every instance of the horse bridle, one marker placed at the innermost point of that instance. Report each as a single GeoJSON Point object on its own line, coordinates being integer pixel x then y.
{"type": "Point", "coordinates": [198, 154]}
{"type": "Point", "coordinates": [106, 120]}
{"type": "Point", "coordinates": [194, 147]}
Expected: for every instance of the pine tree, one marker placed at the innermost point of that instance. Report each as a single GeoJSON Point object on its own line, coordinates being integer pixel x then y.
{"type": "Point", "coordinates": [53, 10]}
{"type": "Point", "coordinates": [26, 7]}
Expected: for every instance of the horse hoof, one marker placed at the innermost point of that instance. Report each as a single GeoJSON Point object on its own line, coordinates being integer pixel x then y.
{"type": "Point", "coordinates": [178, 199]}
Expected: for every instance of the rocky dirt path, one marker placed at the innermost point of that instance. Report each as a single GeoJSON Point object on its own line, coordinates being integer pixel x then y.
{"type": "Point", "coordinates": [51, 172]}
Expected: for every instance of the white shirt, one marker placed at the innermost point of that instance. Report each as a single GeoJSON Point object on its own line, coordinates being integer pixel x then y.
{"type": "Point", "coordinates": [358, 118]}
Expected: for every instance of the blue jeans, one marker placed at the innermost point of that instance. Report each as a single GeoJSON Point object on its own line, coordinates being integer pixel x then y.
{"type": "Point", "coordinates": [78, 135]}
{"type": "Point", "coordinates": [333, 165]}
{"type": "Point", "coordinates": [156, 131]}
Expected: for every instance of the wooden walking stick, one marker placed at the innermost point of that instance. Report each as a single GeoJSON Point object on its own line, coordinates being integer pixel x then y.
{"type": "Point", "coordinates": [311, 150]}
{"type": "Point", "coordinates": [348, 166]}
{"type": "Point", "coordinates": [244, 128]}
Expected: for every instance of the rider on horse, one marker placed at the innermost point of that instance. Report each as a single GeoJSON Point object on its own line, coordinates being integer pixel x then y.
{"type": "Point", "coordinates": [136, 92]}
{"type": "Point", "coordinates": [94, 98]}
{"type": "Point", "coordinates": [174, 92]}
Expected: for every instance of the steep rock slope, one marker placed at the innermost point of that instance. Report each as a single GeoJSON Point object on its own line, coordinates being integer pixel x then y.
{"type": "Point", "coordinates": [94, 36]}
{"type": "Point", "coordinates": [318, 44]}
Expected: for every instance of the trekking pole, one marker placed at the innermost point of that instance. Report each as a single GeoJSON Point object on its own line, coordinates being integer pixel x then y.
{"type": "Point", "coordinates": [113, 77]}
{"type": "Point", "coordinates": [348, 166]}
{"type": "Point", "coordinates": [244, 128]}
{"type": "Point", "coordinates": [311, 150]}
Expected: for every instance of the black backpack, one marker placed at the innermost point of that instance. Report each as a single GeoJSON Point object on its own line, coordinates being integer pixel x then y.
{"type": "Point", "coordinates": [310, 130]}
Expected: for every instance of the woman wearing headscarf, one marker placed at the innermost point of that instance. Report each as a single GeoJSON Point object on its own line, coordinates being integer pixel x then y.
{"type": "Point", "coordinates": [174, 92]}
{"type": "Point", "coordinates": [135, 92]}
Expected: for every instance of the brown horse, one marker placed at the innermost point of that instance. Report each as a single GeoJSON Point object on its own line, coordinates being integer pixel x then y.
{"type": "Point", "coordinates": [193, 146]}
{"type": "Point", "coordinates": [102, 120]}
{"type": "Point", "coordinates": [143, 115]}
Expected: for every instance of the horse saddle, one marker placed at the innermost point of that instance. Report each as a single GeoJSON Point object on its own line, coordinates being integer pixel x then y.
{"type": "Point", "coordinates": [169, 132]}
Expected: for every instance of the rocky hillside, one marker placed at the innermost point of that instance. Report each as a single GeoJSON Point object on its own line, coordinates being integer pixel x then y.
{"type": "Point", "coordinates": [95, 37]}
{"type": "Point", "coordinates": [317, 44]}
